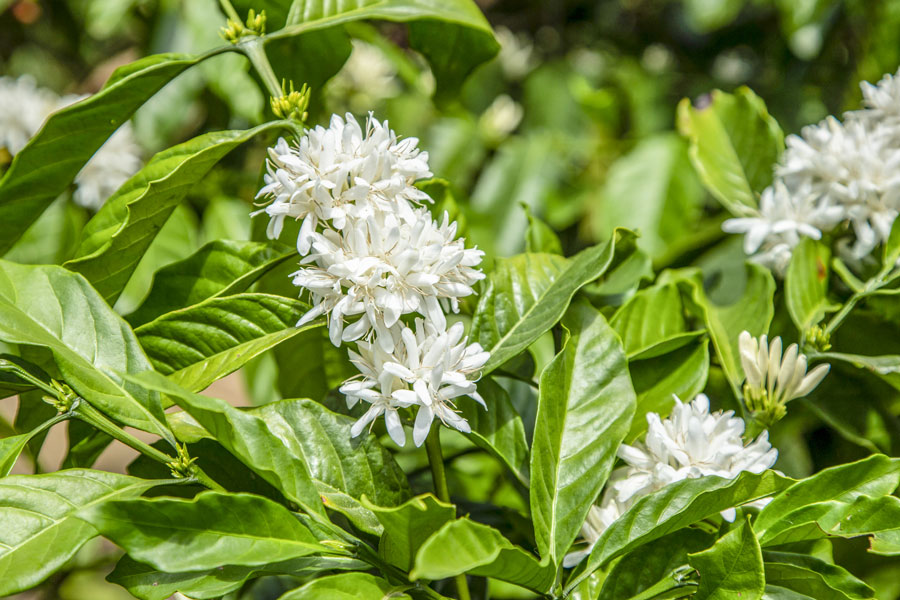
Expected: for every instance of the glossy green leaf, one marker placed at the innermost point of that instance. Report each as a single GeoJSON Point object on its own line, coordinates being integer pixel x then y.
{"type": "Point", "coordinates": [664, 204]}
{"type": "Point", "coordinates": [248, 437]}
{"type": "Point", "coordinates": [865, 515]}
{"type": "Point", "coordinates": [10, 448]}
{"type": "Point", "coordinates": [321, 438]}
{"type": "Point", "coordinates": [500, 429]}
{"type": "Point", "coordinates": [682, 373]}
{"type": "Point", "coordinates": [39, 532]}
{"type": "Point", "coordinates": [886, 543]}
{"type": "Point", "coordinates": [788, 516]}
{"type": "Point", "coordinates": [406, 527]}
{"type": "Point", "coordinates": [114, 241]}
{"type": "Point", "coordinates": [44, 168]}
{"type": "Point", "coordinates": [91, 345]}
{"type": "Point", "coordinates": [146, 583]}
{"type": "Point", "coordinates": [731, 568]}
{"type": "Point", "coordinates": [734, 144]}
{"type": "Point", "coordinates": [806, 284]}
{"type": "Point", "coordinates": [220, 268]}
{"type": "Point", "coordinates": [464, 546]}
{"type": "Point", "coordinates": [347, 586]}
{"type": "Point", "coordinates": [527, 294]}
{"type": "Point", "coordinates": [452, 34]}
{"type": "Point", "coordinates": [213, 529]}
{"type": "Point", "coordinates": [752, 311]}
{"type": "Point", "coordinates": [539, 237]}
{"type": "Point", "coordinates": [650, 319]}
{"type": "Point", "coordinates": [640, 570]}
{"type": "Point", "coordinates": [199, 344]}
{"type": "Point", "coordinates": [585, 408]}
{"type": "Point", "coordinates": [813, 577]}
{"type": "Point", "coordinates": [675, 506]}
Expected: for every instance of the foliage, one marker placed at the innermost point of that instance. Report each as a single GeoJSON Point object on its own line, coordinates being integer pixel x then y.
{"type": "Point", "coordinates": [609, 287]}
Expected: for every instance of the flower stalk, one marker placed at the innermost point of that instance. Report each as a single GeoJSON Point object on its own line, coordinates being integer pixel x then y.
{"type": "Point", "coordinates": [439, 477]}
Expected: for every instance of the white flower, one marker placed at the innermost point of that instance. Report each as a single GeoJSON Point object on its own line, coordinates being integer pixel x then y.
{"type": "Point", "coordinates": [882, 103]}
{"type": "Point", "coordinates": [111, 166]}
{"type": "Point", "coordinates": [782, 219]}
{"type": "Point", "coordinates": [772, 380]}
{"type": "Point", "coordinates": [428, 368]}
{"type": "Point", "coordinates": [690, 443]}
{"type": "Point", "coordinates": [383, 267]}
{"type": "Point", "coordinates": [365, 80]}
{"type": "Point", "coordinates": [500, 118]}
{"type": "Point", "coordinates": [338, 172]}
{"type": "Point", "coordinates": [854, 165]}
{"type": "Point", "coordinates": [23, 109]}
{"type": "Point", "coordinates": [516, 53]}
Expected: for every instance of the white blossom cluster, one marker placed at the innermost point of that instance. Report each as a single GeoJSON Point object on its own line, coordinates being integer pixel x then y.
{"type": "Point", "coordinates": [690, 443]}
{"type": "Point", "coordinates": [372, 254]}
{"type": "Point", "coordinates": [834, 173]}
{"type": "Point", "coordinates": [24, 107]}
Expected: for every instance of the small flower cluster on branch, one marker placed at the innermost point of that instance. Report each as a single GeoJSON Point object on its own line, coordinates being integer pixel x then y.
{"type": "Point", "coordinates": [372, 255]}
{"type": "Point", "coordinates": [692, 442]}
{"type": "Point", "coordinates": [834, 173]}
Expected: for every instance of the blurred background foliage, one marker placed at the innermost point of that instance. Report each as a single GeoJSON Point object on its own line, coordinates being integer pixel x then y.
{"type": "Point", "coordinates": [573, 123]}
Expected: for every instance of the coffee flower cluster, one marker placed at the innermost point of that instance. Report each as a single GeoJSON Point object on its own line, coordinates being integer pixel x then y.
{"type": "Point", "coordinates": [371, 255]}
{"type": "Point", "coordinates": [23, 109]}
{"type": "Point", "coordinates": [690, 443]}
{"type": "Point", "coordinates": [834, 175]}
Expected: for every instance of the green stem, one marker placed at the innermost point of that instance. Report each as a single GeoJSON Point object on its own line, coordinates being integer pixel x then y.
{"type": "Point", "coordinates": [439, 476]}
{"type": "Point", "coordinates": [874, 284]}
{"type": "Point", "coordinates": [228, 9]}
{"type": "Point", "coordinates": [253, 48]}
{"type": "Point", "coordinates": [95, 418]}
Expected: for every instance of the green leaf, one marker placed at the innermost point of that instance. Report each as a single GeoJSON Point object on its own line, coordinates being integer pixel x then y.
{"type": "Point", "coordinates": [731, 568]}
{"type": "Point", "coordinates": [220, 268]}
{"type": "Point", "coordinates": [10, 448]}
{"type": "Point", "coordinates": [500, 429]}
{"type": "Point", "coordinates": [891, 251]}
{"type": "Point", "coordinates": [682, 373]}
{"type": "Point", "coordinates": [452, 34]}
{"type": "Point", "coordinates": [38, 530]}
{"type": "Point", "coordinates": [91, 345]}
{"type": "Point", "coordinates": [527, 294]}
{"type": "Point", "coordinates": [213, 529]}
{"type": "Point", "coordinates": [787, 516]}
{"type": "Point", "coordinates": [347, 586]}
{"type": "Point", "coordinates": [813, 577]}
{"type": "Point", "coordinates": [248, 437]}
{"type": "Point", "coordinates": [464, 546]}
{"type": "Point", "coordinates": [734, 145]}
{"type": "Point", "coordinates": [675, 506]}
{"type": "Point", "coordinates": [641, 569]}
{"type": "Point", "coordinates": [146, 583]}
{"type": "Point", "coordinates": [45, 167]}
{"type": "Point", "coordinates": [886, 543]}
{"type": "Point", "coordinates": [865, 515]}
{"type": "Point", "coordinates": [540, 237]}
{"type": "Point", "coordinates": [664, 203]}
{"type": "Point", "coordinates": [806, 284]}
{"type": "Point", "coordinates": [321, 438]}
{"type": "Point", "coordinates": [114, 241]}
{"type": "Point", "coordinates": [200, 344]}
{"type": "Point", "coordinates": [585, 408]}
{"type": "Point", "coordinates": [406, 527]}
{"type": "Point", "coordinates": [752, 312]}
{"type": "Point", "coordinates": [650, 320]}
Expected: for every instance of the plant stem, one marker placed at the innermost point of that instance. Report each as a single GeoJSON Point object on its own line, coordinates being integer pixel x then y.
{"type": "Point", "coordinates": [228, 9]}
{"type": "Point", "coordinates": [439, 476]}
{"type": "Point", "coordinates": [95, 418]}
{"type": "Point", "coordinates": [252, 47]}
